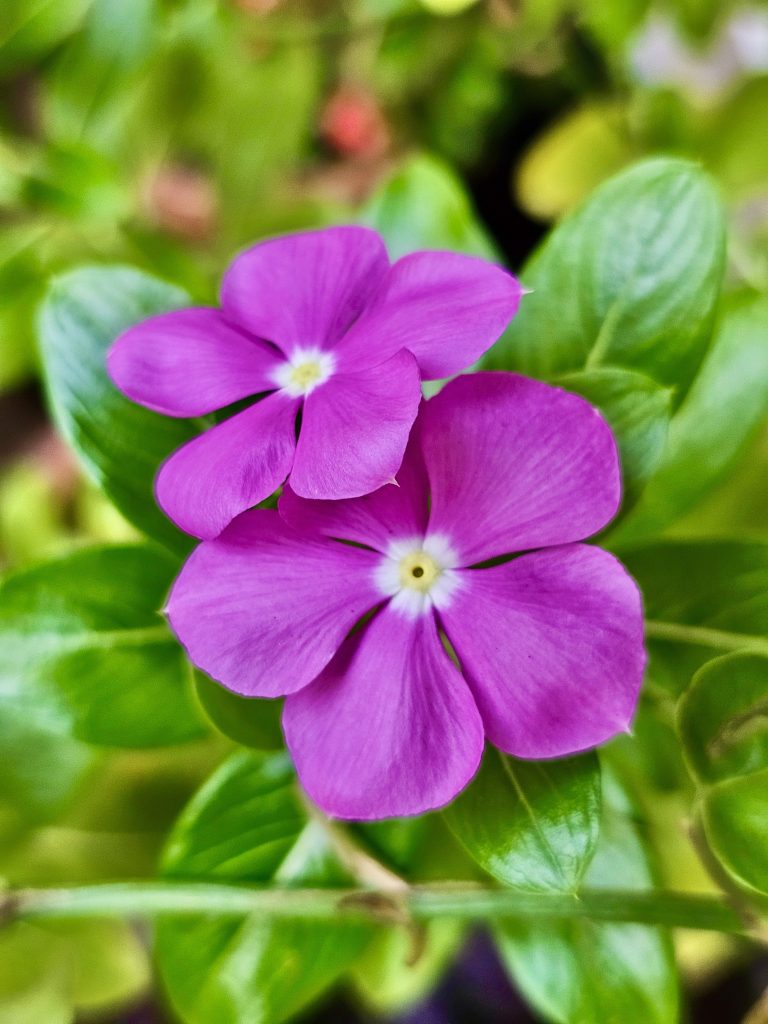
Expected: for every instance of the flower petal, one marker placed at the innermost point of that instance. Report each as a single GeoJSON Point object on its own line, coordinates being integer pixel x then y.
{"type": "Point", "coordinates": [230, 467]}
{"type": "Point", "coordinates": [190, 362]}
{"type": "Point", "coordinates": [515, 464]}
{"type": "Point", "coordinates": [445, 308]}
{"type": "Point", "coordinates": [394, 511]}
{"type": "Point", "coordinates": [304, 290]}
{"type": "Point", "coordinates": [354, 430]}
{"type": "Point", "coordinates": [263, 609]}
{"type": "Point", "coordinates": [390, 727]}
{"type": "Point", "coordinates": [552, 646]}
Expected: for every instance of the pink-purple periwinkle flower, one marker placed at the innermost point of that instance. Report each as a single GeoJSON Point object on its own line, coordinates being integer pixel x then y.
{"type": "Point", "coordinates": [407, 626]}
{"type": "Point", "coordinates": [334, 340]}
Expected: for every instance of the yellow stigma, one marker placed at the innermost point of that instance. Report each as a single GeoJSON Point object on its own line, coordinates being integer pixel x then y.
{"type": "Point", "coordinates": [418, 571]}
{"type": "Point", "coordinates": [303, 376]}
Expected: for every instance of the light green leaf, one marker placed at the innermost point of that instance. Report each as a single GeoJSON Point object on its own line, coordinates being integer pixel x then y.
{"type": "Point", "coordinates": [424, 206]}
{"type": "Point", "coordinates": [638, 410]}
{"type": "Point", "coordinates": [247, 824]}
{"type": "Point", "coordinates": [50, 973]}
{"type": "Point", "coordinates": [120, 444]}
{"type": "Point", "coordinates": [531, 824]}
{"type": "Point", "coordinates": [581, 972]}
{"type": "Point", "coordinates": [723, 718]}
{"type": "Point", "coordinates": [389, 977]}
{"type": "Point", "coordinates": [735, 814]}
{"type": "Point", "coordinates": [702, 598]}
{"type": "Point", "coordinates": [86, 655]}
{"type": "Point", "coordinates": [250, 721]}
{"type": "Point", "coordinates": [630, 279]}
{"type": "Point", "coordinates": [726, 404]}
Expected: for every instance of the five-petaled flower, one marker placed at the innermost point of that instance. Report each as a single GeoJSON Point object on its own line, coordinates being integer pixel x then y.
{"type": "Point", "coordinates": [323, 328]}
{"type": "Point", "coordinates": [350, 608]}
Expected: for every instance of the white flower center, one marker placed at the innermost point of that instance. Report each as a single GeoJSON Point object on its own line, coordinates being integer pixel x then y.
{"type": "Point", "coordinates": [305, 370]}
{"type": "Point", "coordinates": [418, 574]}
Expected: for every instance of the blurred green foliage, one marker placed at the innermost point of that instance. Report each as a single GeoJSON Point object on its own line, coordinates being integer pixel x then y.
{"type": "Point", "coordinates": [164, 135]}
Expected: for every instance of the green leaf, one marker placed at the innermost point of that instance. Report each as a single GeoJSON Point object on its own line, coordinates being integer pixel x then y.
{"type": "Point", "coordinates": [250, 721]}
{"type": "Point", "coordinates": [424, 206]}
{"type": "Point", "coordinates": [531, 824]}
{"type": "Point", "coordinates": [120, 444]}
{"type": "Point", "coordinates": [582, 972]}
{"type": "Point", "coordinates": [702, 598]}
{"type": "Point", "coordinates": [638, 410]}
{"type": "Point", "coordinates": [389, 977]}
{"type": "Point", "coordinates": [247, 824]}
{"type": "Point", "coordinates": [29, 28]}
{"type": "Point", "coordinates": [50, 972]}
{"type": "Point", "coordinates": [723, 718]}
{"type": "Point", "coordinates": [723, 409]}
{"type": "Point", "coordinates": [735, 814]}
{"type": "Point", "coordinates": [87, 656]}
{"type": "Point", "coordinates": [630, 279]}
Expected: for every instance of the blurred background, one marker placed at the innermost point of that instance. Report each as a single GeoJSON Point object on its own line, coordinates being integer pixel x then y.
{"type": "Point", "coordinates": [167, 134]}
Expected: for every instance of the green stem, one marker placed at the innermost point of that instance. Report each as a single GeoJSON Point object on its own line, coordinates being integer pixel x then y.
{"type": "Point", "coordinates": [459, 901]}
{"type": "Point", "coordinates": [702, 636]}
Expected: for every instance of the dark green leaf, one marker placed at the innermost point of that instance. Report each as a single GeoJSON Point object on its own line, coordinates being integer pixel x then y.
{"type": "Point", "coordinates": [630, 279]}
{"type": "Point", "coordinates": [702, 598]}
{"type": "Point", "coordinates": [736, 825]}
{"type": "Point", "coordinates": [425, 207]}
{"type": "Point", "coordinates": [726, 404]}
{"type": "Point", "coordinates": [723, 717]}
{"type": "Point", "coordinates": [247, 824]}
{"type": "Point", "coordinates": [250, 721]}
{"type": "Point", "coordinates": [531, 824]}
{"type": "Point", "coordinates": [87, 655]}
{"type": "Point", "coordinates": [638, 411]}
{"type": "Point", "coordinates": [581, 972]}
{"type": "Point", "coordinates": [121, 444]}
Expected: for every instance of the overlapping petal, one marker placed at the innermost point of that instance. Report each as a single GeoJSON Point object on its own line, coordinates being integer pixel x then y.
{"type": "Point", "coordinates": [230, 467]}
{"type": "Point", "coordinates": [389, 728]}
{"type": "Point", "coordinates": [355, 429]}
{"type": "Point", "coordinates": [190, 362]}
{"type": "Point", "coordinates": [263, 609]}
{"type": "Point", "coordinates": [515, 464]}
{"type": "Point", "coordinates": [446, 308]}
{"type": "Point", "coordinates": [304, 290]}
{"type": "Point", "coordinates": [396, 510]}
{"type": "Point", "coordinates": [551, 644]}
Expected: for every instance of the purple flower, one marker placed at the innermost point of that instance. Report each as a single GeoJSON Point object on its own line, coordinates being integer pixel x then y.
{"type": "Point", "coordinates": [321, 325]}
{"type": "Point", "coordinates": [378, 718]}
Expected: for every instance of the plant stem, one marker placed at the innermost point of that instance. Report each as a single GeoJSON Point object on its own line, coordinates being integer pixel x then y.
{"type": "Point", "coordinates": [705, 637]}
{"type": "Point", "coordinates": [450, 900]}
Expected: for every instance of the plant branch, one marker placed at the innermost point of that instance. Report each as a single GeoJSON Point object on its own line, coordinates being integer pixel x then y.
{"type": "Point", "coordinates": [461, 901]}
{"type": "Point", "coordinates": [703, 636]}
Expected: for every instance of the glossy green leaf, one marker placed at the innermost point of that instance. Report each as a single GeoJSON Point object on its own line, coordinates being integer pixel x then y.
{"type": "Point", "coordinates": [638, 410]}
{"type": "Point", "coordinates": [424, 206]}
{"type": "Point", "coordinates": [120, 444]}
{"type": "Point", "coordinates": [250, 721]}
{"type": "Point", "coordinates": [87, 656]}
{"type": "Point", "coordinates": [582, 972]}
{"type": "Point", "coordinates": [630, 279]}
{"type": "Point", "coordinates": [723, 717]}
{"type": "Point", "coordinates": [247, 824]}
{"type": "Point", "coordinates": [736, 823]}
{"type": "Point", "coordinates": [725, 406]}
{"type": "Point", "coordinates": [702, 598]}
{"type": "Point", "coordinates": [531, 824]}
